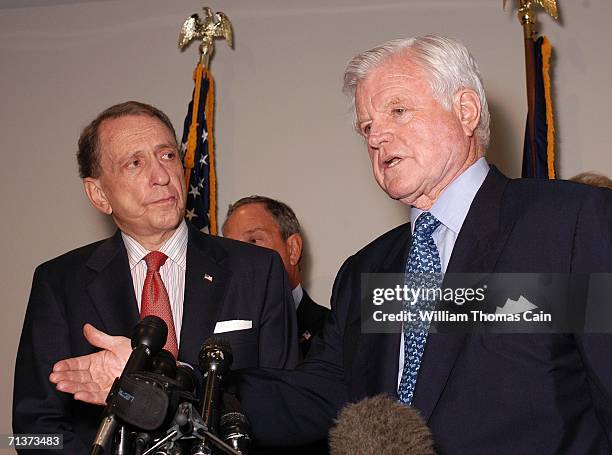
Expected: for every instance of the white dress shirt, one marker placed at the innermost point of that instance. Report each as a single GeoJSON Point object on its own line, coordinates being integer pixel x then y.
{"type": "Point", "coordinates": [450, 209]}
{"type": "Point", "coordinates": [297, 293]}
{"type": "Point", "coordinates": [172, 272]}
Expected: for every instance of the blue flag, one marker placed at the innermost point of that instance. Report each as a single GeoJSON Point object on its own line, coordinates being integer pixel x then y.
{"type": "Point", "coordinates": [539, 145]}
{"type": "Point", "coordinates": [197, 146]}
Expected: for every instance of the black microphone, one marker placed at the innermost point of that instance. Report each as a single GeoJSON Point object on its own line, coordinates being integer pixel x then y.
{"type": "Point", "coordinates": [164, 363]}
{"type": "Point", "coordinates": [148, 338]}
{"type": "Point", "coordinates": [215, 360]}
{"type": "Point", "coordinates": [235, 429]}
{"type": "Point", "coordinates": [186, 378]}
{"type": "Point", "coordinates": [380, 425]}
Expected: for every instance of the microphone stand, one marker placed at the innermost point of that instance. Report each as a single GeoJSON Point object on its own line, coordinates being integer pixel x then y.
{"type": "Point", "coordinates": [189, 424]}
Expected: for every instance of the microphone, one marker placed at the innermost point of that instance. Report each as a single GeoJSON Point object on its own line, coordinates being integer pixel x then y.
{"type": "Point", "coordinates": [380, 425]}
{"type": "Point", "coordinates": [186, 378]}
{"type": "Point", "coordinates": [215, 360]}
{"type": "Point", "coordinates": [148, 338]}
{"type": "Point", "coordinates": [234, 429]}
{"type": "Point", "coordinates": [163, 364]}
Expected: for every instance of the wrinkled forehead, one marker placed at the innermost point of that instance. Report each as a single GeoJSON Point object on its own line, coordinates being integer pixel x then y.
{"type": "Point", "coordinates": [253, 215]}
{"type": "Point", "coordinates": [132, 130]}
{"type": "Point", "coordinates": [134, 122]}
{"type": "Point", "coordinates": [397, 76]}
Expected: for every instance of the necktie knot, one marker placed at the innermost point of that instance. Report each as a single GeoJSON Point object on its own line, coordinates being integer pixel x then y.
{"type": "Point", "coordinates": [154, 261]}
{"type": "Point", "coordinates": [425, 225]}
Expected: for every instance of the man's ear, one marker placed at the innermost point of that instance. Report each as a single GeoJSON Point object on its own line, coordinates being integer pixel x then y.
{"type": "Point", "coordinates": [96, 195]}
{"type": "Point", "coordinates": [467, 108]}
{"type": "Point", "coordinates": [294, 245]}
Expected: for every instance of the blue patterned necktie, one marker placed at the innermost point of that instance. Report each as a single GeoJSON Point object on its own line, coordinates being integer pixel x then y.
{"type": "Point", "coordinates": [423, 270]}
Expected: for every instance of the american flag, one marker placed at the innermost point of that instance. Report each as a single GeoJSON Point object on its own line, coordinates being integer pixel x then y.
{"type": "Point", "coordinates": [197, 147]}
{"type": "Point", "coordinates": [539, 145]}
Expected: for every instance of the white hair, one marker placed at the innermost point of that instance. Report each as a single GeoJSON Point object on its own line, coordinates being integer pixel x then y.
{"type": "Point", "coordinates": [447, 62]}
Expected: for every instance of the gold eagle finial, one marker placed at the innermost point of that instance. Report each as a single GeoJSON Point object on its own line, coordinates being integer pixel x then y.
{"type": "Point", "coordinates": [210, 27]}
{"type": "Point", "coordinates": [550, 6]}
{"type": "Point", "coordinates": [527, 17]}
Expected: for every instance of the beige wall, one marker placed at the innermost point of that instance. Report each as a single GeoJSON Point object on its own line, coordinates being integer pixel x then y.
{"type": "Point", "coordinates": [283, 127]}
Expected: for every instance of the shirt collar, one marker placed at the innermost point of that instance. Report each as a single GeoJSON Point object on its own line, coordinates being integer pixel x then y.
{"type": "Point", "coordinates": [175, 247]}
{"type": "Point", "coordinates": [298, 293]}
{"type": "Point", "coordinates": [452, 206]}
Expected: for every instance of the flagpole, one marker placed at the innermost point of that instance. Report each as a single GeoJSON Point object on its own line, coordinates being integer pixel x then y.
{"type": "Point", "coordinates": [199, 124]}
{"type": "Point", "coordinates": [527, 19]}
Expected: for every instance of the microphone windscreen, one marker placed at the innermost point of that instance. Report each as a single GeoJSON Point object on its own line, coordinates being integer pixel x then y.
{"type": "Point", "coordinates": [140, 403]}
{"type": "Point", "coordinates": [187, 378]}
{"type": "Point", "coordinates": [382, 426]}
{"type": "Point", "coordinates": [164, 363]}
{"type": "Point", "coordinates": [152, 332]}
{"type": "Point", "coordinates": [217, 351]}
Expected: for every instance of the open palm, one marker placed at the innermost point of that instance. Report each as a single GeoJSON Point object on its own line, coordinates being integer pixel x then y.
{"type": "Point", "coordinates": [90, 377]}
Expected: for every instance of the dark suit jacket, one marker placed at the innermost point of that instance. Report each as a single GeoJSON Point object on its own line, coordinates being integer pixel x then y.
{"type": "Point", "coordinates": [93, 285]}
{"type": "Point", "coordinates": [479, 393]}
{"type": "Point", "coordinates": [310, 319]}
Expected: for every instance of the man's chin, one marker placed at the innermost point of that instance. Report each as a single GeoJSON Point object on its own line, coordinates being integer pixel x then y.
{"type": "Point", "coordinates": [402, 195]}
{"type": "Point", "coordinates": [421, 202]}
{"type": "Point", "coordinates": [171, 220]}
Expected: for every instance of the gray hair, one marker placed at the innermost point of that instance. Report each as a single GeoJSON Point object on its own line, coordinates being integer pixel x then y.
{"type": "Point", "coordinates": [281, 212]}
{"type": "Point", "coordinates": [448, 63]}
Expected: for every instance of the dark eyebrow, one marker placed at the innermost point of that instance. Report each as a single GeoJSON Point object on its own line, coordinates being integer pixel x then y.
{"type": "Point", "coordinates": [166, 146]}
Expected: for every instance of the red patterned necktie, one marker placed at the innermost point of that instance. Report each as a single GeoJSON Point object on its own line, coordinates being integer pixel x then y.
{"type": "Point", "coordinates": [155, 299]}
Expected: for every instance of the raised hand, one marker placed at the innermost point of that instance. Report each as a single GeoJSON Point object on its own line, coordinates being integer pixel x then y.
{"type": "Point", "coordinates": [90, 377]}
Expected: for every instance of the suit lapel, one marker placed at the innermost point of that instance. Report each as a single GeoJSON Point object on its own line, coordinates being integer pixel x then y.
{"type": "Point", "coordinates": [111, 290]}
{"type": "Point", "coordinates": [382, 349]}
{"type": "Point", "coordinates": [482, 235]}
{"type": "Point", "coordinates": [205, 285]}
{"type": "Point", "coordinates": [477, 249]}
{"type": "Point", "coordinates": [382, 352]}
{"type": "Point", "coordinates": [441, 352]}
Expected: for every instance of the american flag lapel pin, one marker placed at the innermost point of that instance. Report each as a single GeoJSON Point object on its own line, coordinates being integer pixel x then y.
{"type": "Point", "coordinates": [207, 277]}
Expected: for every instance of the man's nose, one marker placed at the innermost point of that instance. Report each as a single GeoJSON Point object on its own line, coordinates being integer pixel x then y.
{"type": "Point", "coordinates": [379, 137]}
{"type": "Point", "coordinates": [159, 173]}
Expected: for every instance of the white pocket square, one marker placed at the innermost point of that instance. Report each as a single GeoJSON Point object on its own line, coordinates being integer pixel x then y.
{"type": "Point", "coordinates": [234, 324]}
{"type": "Point", "coordinates": [515, 306]}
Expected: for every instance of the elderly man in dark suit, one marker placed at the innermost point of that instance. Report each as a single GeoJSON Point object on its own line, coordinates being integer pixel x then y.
{"type": "Point", "coordinates": [95, 295]}
{"type": "Point", "coordinates": [421, 109]}
{"type": "Point", "coordinates": [270, 223]}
